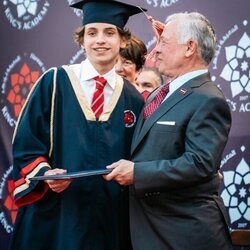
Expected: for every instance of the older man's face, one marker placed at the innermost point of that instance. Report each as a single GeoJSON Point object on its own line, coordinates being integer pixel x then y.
{"type": "Point", "coordinates": [170, 54]}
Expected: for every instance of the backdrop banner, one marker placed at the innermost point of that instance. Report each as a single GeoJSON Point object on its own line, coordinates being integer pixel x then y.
{"type": "Point", "coordinates": [38, 34]}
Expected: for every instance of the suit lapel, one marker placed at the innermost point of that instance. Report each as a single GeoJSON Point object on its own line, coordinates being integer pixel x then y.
{"type": "Point", "coordinates": [181, 93]}
{"type": "Point", "coordinates": [141, 120]}
{"type": "Point", "coordinates": [162, 109]}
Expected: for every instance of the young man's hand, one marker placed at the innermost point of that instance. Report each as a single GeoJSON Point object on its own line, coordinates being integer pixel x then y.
{"type": "Point", "coordinates": [57, 185]}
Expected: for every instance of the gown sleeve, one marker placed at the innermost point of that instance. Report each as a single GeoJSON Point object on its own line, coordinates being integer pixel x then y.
{"type": "Point", "coordinates": [31, 142]}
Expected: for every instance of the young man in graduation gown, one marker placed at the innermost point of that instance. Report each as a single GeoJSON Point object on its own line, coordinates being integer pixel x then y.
{"type": "Point", "coordinates": [69, 123]}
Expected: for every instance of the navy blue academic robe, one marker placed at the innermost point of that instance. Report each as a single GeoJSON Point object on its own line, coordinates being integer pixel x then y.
{"type": "Point", "coordinates": [57, 129]}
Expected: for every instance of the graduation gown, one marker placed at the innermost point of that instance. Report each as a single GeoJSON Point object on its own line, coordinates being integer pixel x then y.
{"type": "Point", "coordinates": [57, 129]}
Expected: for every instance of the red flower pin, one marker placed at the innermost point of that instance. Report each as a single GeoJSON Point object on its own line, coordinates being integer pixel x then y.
{"type": "Point", "coordinates": [129, 118]}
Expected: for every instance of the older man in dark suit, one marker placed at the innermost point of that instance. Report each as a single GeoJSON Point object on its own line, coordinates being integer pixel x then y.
{"type": "Point", "coordinates": [177, 147]}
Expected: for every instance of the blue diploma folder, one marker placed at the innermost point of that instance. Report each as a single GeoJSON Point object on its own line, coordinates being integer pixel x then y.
{"type": "Point", "coordinates": [71, 175]}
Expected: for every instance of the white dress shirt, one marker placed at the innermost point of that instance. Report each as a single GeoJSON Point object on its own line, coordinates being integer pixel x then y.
{"type": "Point", "coordinates": [85, 72]}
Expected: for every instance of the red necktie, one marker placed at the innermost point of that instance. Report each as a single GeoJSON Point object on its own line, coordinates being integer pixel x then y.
{"type": "Point", "coordinates": [98, 97]}
{"type": "Point", "coordinates": [155, 103]}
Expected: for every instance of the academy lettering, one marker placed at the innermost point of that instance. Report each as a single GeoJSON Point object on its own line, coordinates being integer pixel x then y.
{"type": "Point", "coordinates": [236, 79]}
{"type": "Point", "coordinates": [32, 23]}
{"type": "Point", "coordinates": [216, 54]}
{"type": "Point", "coordinates": [244, 107]}
{"type": "Point", "coordinates": [164, 3]}
{"type": "Point", "coordinates": [15, 23]}
{"type": "Point", "coordinates": [8, 117]}
{"type": "Point", "coordinates": [3, 220]}
{"type": "Point", "coordinates": [228, 157]}
{"type": "Point", "coordinates": [76, 11]}
{"type": "Point", "coordinates": [167, 3]}
{"type": "Point", "coordinates": [37, 19]}
{"type": "Point", "coordinates": [153, 1]}
{"type": "Point", "coordinates": [5, 224]}
{"type": "Point", "coordinates": [1, 187]}
{"type": "Point", "coordinates": [221, 42]}
{"type": "Point", "coordinates": [4, 178]}
{"type": "Point", "coordinates": [26, 25]}
{"type": "Point", "coordinates": [228, 34]}
{"type": "Point", "coordinates": [232, 105]}
{"type": "Point", "coordinates": [76, 56]}
{"type": "Point", "coordinates": [37, 60]}
{"type": "Point", "coordinates": [5, 78]}
{"type": "Point", "coordinates": [10, 67]}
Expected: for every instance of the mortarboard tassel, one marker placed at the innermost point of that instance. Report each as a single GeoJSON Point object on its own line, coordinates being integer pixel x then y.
{"type": "Point", "coordinates": [158, 28]}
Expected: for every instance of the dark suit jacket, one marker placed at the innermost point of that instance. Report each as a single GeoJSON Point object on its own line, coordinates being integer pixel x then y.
{"type": "Point", "coordinates": [174, 202]}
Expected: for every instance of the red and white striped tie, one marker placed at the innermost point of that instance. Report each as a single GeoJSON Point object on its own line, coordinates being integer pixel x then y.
{"type": "Point", "coordinates": [98, 97]}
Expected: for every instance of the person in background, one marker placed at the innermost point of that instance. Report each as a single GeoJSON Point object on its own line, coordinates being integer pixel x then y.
{"type": "Point", "coordinates": [177, 147]}
{"type": "Point", "coordinates": [77, 117]}
{"type": "Point", "coordinates": [148, 80]}
{"type": "Point", "coordinates": [131, 60]}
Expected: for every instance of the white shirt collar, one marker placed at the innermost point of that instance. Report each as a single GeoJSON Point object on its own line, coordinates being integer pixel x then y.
{"type": "Point", "coordinates": [179, 81]}
{"type": "Point", "coordinates": [88, 72]}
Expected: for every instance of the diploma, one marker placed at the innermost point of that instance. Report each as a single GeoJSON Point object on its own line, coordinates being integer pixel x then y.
{"type": "Point", "coordinates": [71, 175]}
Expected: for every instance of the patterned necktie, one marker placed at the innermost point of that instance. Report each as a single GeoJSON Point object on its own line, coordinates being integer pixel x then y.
{"type": "Point", "coordinates": [155, 103]}
{"type": "Point", "coordinates": [98, 97]}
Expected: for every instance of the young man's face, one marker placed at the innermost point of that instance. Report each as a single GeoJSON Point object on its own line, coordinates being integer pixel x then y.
{"type": "Point", "coordinates": [102, 43]}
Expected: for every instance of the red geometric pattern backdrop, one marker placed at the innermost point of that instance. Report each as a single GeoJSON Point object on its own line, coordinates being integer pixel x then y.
{"type": "Point", "coordinates": [38, 34]}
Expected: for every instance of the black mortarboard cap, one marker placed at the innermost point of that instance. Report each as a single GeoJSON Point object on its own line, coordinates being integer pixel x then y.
{"type": "Point", "coordinates": [106, 11]}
